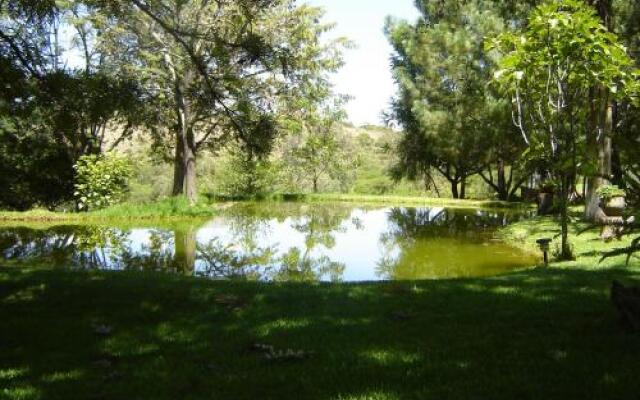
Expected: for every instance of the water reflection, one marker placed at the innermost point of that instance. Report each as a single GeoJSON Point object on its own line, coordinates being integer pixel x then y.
{"type": "Point", "coordinates": [435, 243]}
{"type": "Point", "coordinates": [287, 242]}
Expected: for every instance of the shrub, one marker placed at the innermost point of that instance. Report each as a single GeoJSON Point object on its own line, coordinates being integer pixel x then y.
{"type": "Point", "coordinates": [101, 180]}
{"type": "Point", "coordinates": [607, 192]}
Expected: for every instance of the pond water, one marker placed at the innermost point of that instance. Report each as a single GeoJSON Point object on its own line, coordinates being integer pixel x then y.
{"type": "Point", "coordinates": [287, 242]}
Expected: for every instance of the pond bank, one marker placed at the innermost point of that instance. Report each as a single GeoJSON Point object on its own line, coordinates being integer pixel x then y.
{"type": "Point", "coordinates": [79, 335]}
{"type": "Point", "coordinates": [417, 201]}
{"type": "Point", "coordinates": [179, 208]}
{"type": "Point", "coordinates": [588, 248]}
{"type": "Point", "coordinates": [171, 208]}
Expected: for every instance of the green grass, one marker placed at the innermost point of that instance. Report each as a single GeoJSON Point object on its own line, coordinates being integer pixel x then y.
{"type": "Point", "coordinates": [412, 201]}
{"type": "Point", "coordinates": [588, 248]}
{"type": "Point", "coordinates": [179, 208]}
{"type": "Point", "coordinates": [537, 334]}
{"type": "Point", "coordinates": [167, 208]}
{"type": "Point", "coordinates": [542, 333]}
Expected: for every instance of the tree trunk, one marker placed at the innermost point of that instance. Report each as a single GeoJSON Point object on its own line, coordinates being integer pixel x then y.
{"type": "Point", "coordinates": [565, 250]}
{"type": "Point", "coordinates": [599, 148]}
{"type": "Point", "coordinates": [503, 190]}
{"type": "Point", "coordinates": [617, 172]}
{"type": "Point", "coordinates": [190, 187]}
{"type": "Point", "coordinates": [463, 187]}
{"type": "Point", "coordinates": [185, 141]}
{"type": "Point", "coordinates": [454, 189]}
{"type": "Point", "coordinates": [601, 129]}
{"type": "Point", "coordinates": [178, 168]}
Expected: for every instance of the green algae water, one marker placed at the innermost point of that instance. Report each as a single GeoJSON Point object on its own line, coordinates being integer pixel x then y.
{"type": "Point", "coordinates": [287, 242]}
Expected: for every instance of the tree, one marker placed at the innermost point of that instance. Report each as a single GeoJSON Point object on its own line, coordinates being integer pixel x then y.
{"type": "Point", "coordinates": [225, 69]}
{"type": "Point", "coordinates": [548, 69]}
{"type": "Point", "coordinates": [319, 150]}
{"type": "Point", "coordinates": [446, 111]}
{"type": "Point", "coordinates": [52, 114]}
{"type": "Point", "coordinates": [625, 154]}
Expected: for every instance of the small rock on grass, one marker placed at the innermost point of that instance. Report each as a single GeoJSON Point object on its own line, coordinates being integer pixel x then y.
{"type": "Point", "coordinates": [270, 353]}
{"type": "Point", "coordinates": [400, 316]}
{"type": "Point", "coordinates": [230, 301]}
{"type": "Point", "coordinates": [102, 329]}
{"type": "Point", "coordinates": [102, 363]}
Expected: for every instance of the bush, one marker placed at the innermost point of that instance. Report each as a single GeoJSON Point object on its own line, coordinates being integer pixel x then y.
{"type": "Point", "coordinates": [607, 192]}
{"type": "Point", "coordinates": [101, 180]}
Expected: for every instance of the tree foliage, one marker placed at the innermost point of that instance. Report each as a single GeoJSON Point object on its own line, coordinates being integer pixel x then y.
{"type": "Point", "coordinates": [548, 70]}
{"type": "Point", "coordinates": [448, 115]}
{"type": "Point", "coordinates": [222, 71]}
{"type": "Point", "coordinates": [52, 114]}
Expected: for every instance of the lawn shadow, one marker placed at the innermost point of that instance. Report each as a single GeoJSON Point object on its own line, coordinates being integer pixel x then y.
{"type": "Point", "coordinates": [537, 334]}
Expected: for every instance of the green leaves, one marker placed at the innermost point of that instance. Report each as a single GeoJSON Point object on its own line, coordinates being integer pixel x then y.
{"type": "Point", "coordinates": [101, 181]}
{"type": "Point", "coordinates": [565, 42]}
{"type": "Point", "coordinates": [441, 67]}
{"type": "Point", "coordinates": [549, 68]}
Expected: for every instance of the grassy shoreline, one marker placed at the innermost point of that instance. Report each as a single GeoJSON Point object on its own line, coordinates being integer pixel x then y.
{"type": "Point", "coordinates": [171, 208]}
{"type": "Point", "coordinates": [587, 246]}
{"type": "Point", "coordinates": [175, 208]}
{"type": "Point", "coordinates": [415, 201]}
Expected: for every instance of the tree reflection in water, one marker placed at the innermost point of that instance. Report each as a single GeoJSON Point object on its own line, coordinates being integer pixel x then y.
{"type": "Point", "coordinates": [246, 252]}
{"type": "Point", "coordinates": [80, 246]}
{"type": "Point", "coordinates": [437, 243]}
{"type": "Point", "coordinates": [285, 242]}
{"type": "Point", "coordinates": [245, 258]}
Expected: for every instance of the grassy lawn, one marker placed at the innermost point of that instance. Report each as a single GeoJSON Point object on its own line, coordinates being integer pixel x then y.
{"type": "Point", "coordinates": [585, 241]}
{"type": "Point", "coordinates": [540, 334]}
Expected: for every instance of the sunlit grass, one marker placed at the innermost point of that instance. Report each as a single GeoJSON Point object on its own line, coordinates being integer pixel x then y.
{"type": "Point", "coordinates": [588, 248]}
{"type": "Point", "coordinates": [413, 201]}
{"type": "Point", "coordinates": [172, 207]}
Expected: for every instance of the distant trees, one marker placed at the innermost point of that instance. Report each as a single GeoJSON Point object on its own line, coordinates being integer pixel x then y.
{"type": "Point", "coordinates": [319, 150]}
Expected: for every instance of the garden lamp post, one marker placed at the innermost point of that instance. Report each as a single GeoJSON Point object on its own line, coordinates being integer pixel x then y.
{"type": "Point", "coordinates": [544, 247]}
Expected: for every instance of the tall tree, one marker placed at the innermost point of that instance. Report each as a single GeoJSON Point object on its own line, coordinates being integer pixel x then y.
{"type": "Point", "coordinates": [446, 111]}
{"type": "Point", "coordinates": [226, 69]}
{"type": "Point", "coordinates": [549, 69]}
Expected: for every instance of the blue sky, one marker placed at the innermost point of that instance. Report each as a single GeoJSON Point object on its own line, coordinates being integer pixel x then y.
{"type": "Point", "coordinates": [366, 75]}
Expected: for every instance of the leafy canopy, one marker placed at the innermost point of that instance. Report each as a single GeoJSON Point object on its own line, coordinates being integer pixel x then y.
{"type": "Point", "coordinates": [549, 67]}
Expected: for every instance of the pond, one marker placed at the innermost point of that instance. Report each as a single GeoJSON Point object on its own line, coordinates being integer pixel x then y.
{"type": "Point", "coordinates": [287, 242]}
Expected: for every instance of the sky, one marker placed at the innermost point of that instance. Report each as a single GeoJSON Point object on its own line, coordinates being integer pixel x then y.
{"type": "Point", "coordinates": [366, 75]}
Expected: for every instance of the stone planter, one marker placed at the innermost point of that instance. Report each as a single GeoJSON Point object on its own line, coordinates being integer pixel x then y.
{"type": "Point", "coordinates": [545, 203]}
{"type": "Point", "coordinates": [614, 207]}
